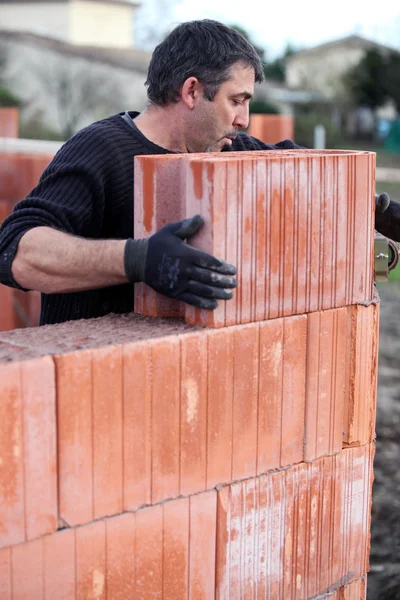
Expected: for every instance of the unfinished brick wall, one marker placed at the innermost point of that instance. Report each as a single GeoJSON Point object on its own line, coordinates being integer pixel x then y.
{"type": "Point", "coordinates": [9, 122]}
{"type": "Point", "coordinates": [152, 458]}
{"type": "Point", "coordinates": [19, 174]}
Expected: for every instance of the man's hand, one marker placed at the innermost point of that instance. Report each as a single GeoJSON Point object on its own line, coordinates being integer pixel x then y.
{"type": "Point", "coordinates": [172, 267]}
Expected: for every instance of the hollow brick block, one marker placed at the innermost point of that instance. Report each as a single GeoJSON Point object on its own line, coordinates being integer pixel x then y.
{"type": "Point", "coordinates": [28, 484]}
{"type": "Point", "coordinates": [9, 122]}
{"type": "Point", "coordinates": [271, 128]}
{"type": "Point", "coordinates": [283, 536]}
{"type": "Point", "coordinates": [298, 226]}
{"type": "Point", "coordinates": [361, 381]}
{"type": "Point", "coordinates": [137, 424]}
{"type": "Point", "coordinates": [19, 174]}
{"type": "Point", "coordinates": [325, 382]}
{"type": "Point", "coordinates": [193, 411]}
{"type": "Point", "coordinates": [206, 408]}
{"type": "Point", "coordinates": [91, 561]}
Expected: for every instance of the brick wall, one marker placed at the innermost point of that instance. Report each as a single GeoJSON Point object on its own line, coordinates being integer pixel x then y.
{"type": "Point", "coordinates": [19, 174]}
{"type": "Point", "coordinates": [271, 128]}
{"type": "Point", "coordinates": [9, 122]}
{"type": "Point", "coordinates": [145, 457]}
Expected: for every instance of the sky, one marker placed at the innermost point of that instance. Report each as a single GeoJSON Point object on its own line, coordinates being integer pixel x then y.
{"type": "Point", "coordinates": [303, 23]}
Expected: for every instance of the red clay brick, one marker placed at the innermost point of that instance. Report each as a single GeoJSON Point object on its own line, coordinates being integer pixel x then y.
{"type": "Point", "coordinates": [107, 431]}
{"type": "Point", "coordinates": [165, 420]}
{"type": "Point", "coordinates": [206, 194]}
{"type": "Point", "coordinates": [245, 401]}
{"type": "Point", "coordinates": [28, 583]}
{"type": "Point", "coordinates": [220, 400]}
{"type": "Point", "coordinates": [298, 532]}
{"type": "Point", "coordinates": [91, 561]}
{"type": "Point", "coordinates": [193, 436]}
{"type": "Point", "coordinates": [20, 173]}
{"type": "Point", "coordinates": [59, 565]}
{"type": "Point", "coordinates": [360, 399]}
{"type": "Point", "coordinates": [149, 553]}
{"type": "Point", "coordinates": [9, 122]}
{"type": "Point", "coordinates": [354, 591]}
{"type": "Point", "coordinates": [149, 216]}
{"type": "Point", "coordinates": [271, 128]}
{"type": "Point", "coordinates": [5, 574]}
{"type": "Point", "coordinates": [176, 550]}
{"type": "Point", "coordinates": [270, 395]}
{"type": "Point", "coordinates": [202, 545]}
{"type": "Point", "coordinates": [293, 403]}
{"type": "Point", "coordinates": [137, 382]}
{"type": "Point", "coordinates": [12, 510]}
{"type": "Point", "coordinates": [75, 444]}
{"type": "Point", "coordinates": [7, 316]}
{"type": "Point", "coordinates": [325, 386]}
{"type": "Point", "coordinates": [39, 446]}
{"type": "Point", "coordinates": [120, 557]}
{"type": "Point", "coordinates": [261, 214]}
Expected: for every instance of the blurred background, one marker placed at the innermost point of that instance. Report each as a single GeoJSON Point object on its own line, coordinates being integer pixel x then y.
{"type": "Point", "coordinates": [334, 68]}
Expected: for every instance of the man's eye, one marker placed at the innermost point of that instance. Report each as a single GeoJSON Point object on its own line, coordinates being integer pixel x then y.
{"type": "Point", "coordinates": [238, 102]}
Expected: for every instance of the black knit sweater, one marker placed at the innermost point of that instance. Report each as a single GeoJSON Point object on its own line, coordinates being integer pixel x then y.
{"type": "Point", "coordinates": [87, 190]}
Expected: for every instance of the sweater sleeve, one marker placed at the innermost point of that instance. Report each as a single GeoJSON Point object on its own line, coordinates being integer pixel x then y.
{"type": "Point", "coordinates": [69, 197]}
{"type": "Point", "coordinates": [246, 142]}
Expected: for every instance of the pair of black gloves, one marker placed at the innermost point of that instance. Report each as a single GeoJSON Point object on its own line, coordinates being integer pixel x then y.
{"type": "Point", "coordinates": [172, 267]}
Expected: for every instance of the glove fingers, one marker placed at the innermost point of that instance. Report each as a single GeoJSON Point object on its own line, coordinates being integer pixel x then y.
{"type": "Point", "coordinates": [208, 261]}
{"type": "Point", "coordinates": [198, 301]}
{"type": "Point", "coordinates": [211, 278]}
{"type": "Point", "coordinates": [208, 291]}
{"type": "Point", "coordinates": [188, 227]}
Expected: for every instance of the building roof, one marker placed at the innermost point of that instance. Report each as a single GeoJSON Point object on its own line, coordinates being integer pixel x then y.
{"type": "Point", "coordinates": [349, 41]}
{"type": "Point", "coordinates": [125, 58]}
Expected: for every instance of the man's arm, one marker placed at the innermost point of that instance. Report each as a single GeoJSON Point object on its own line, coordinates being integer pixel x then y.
{"type": "Point", "coordinates": [54, 262]}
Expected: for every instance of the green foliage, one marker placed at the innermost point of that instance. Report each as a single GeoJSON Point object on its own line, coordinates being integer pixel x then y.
{"type": "Point", "coordinates": [304, 130]}
{"type": "Point", "coordinates": [7, 98]}
{"type": "Point", "coordinates": [366, 81]}
{"type": "Point", "coordinates": [263, 107]}
{"type": "Point", "coordinates": [276, 68]}
{"type": "Point", "coordinates": [392, 78]}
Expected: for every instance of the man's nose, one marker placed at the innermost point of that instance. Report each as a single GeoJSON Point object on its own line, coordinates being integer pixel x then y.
{"type": "Point", "coordinates": [242, 118]}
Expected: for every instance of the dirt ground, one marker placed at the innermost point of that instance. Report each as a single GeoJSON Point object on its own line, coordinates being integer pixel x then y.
{"type": "Point", "coordinates": [384, 578]}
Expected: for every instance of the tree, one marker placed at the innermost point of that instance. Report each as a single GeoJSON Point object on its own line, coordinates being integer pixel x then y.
{"type": "Point", "coordinates": [367, 80]}
{"type": "Point", "coordinates": [392, 78]}
{"type": "Point", "coordinates": [276, 68]}
{"type": "Point", "coordinates": [77, 89]}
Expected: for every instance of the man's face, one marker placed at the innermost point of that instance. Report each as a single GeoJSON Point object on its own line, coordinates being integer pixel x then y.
{"type": "Point", "coordinates": [215, 124]}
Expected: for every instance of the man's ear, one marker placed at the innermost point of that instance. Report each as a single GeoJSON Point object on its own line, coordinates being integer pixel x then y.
{"type": "Point", "coordinates": [191, 91]}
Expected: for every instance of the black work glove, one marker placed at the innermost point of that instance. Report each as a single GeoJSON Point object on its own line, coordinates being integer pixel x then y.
{"type": "Point", "coordinates": [171, 267]}
{"type": "Point", "coordinates": [387, 216]}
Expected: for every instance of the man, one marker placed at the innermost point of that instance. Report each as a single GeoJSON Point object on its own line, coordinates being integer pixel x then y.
{"type": "Point", "coordinates": [70, 238]}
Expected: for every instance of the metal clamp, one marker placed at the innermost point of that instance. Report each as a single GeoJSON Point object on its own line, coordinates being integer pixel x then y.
{"type": "Point", "coordinates": [386, 254]}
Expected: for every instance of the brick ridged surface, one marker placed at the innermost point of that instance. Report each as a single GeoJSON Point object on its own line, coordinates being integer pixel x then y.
{"type": "Point", "coordinates": [271, 128]}
{"type": "Point", "coordinates": [146, 458]}
{"type": "Point", "coordinates": [298, 226]}
{"type": "Point", "coordinates": [293, 534]}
